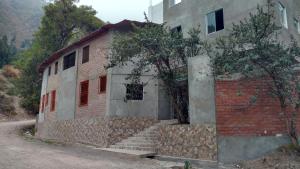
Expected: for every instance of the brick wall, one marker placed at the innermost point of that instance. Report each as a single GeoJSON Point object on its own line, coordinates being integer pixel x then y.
{"type": "Point", "coordinates": [91, 71]}
{"type": "Point", "coordinates": [246, 108]}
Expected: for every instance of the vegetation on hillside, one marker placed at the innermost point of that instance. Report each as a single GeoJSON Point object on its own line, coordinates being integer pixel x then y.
{"type": "Point", "coordinates": [7, 51]}
{"type": "Point", "coordinates": [62, 23]}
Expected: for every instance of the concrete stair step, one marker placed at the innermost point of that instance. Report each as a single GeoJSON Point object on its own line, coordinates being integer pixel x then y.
{"type": "Point", "coordinates": [138, 141]}
{"type": "Point", "coordinates": [133, 148]}
{"type": "Point", "coordinates": [136, 144]}
{"type": "Point", "coordinates": [137, 153]}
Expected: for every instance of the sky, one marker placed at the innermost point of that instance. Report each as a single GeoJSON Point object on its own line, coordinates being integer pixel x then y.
{"type": "Point", "coordinates": [114, 11]}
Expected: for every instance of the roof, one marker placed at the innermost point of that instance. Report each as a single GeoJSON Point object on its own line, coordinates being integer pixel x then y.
{"type": "Point", "coordinates": [125, 24]}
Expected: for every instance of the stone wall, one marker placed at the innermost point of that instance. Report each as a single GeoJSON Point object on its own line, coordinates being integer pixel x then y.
{"type": "Point", "coordinates": [97, 131]}
{"type": "Point", "coordinates": [189, 141]}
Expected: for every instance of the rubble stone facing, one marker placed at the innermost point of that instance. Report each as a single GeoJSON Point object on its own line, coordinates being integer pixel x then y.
{"type": "Point", "coordinates": [189, 141]}
{"type": "Point", "coordinates": [97, 131]}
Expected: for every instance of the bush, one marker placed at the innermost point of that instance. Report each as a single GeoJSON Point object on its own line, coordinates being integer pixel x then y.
{"type": "Point", "coordinates": [6, 106]}
{"type": "Point", "coordinates": [10, 72]}
{"type": "Point", "coordinates": [2, 83]}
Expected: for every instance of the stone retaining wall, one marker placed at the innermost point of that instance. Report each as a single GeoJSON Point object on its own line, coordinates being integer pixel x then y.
{"type": "Point", "coordinates": [97, 131]}
{"type": "Point", "coordinates": [189, 141]}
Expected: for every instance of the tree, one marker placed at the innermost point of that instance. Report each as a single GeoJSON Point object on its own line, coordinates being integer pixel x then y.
{"type": "Point", "coordinates": [62, 24]}
{"type": "Point", "coordinates": [155, 47]}
{"type": "Point", "coordinates": [253, 48]}
{"type": "Point", "coordinates": [7, 51]}
{"type": "Point", "coordinates": [63, 21]}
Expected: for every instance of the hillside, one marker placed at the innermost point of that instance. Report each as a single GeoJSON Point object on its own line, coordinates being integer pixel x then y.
{"type": "Point", "coordinates": [10, 108]}
{"type": "Point", "coordinates": [20, 18]}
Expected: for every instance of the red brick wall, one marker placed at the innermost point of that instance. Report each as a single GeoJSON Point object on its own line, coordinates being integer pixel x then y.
{"type": "Point", "coordinates": [91, 71]}
{"type": "Point", "coordinates": [237, 116]}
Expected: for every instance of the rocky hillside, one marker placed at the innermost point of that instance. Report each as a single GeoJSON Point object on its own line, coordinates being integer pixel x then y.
{"type": "Point", "coordinates": [20, 18]}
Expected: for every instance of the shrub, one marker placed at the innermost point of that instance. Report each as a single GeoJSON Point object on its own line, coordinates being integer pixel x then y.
{"type": "Point", "coordinates": [10, 72]}
{"type": "Point", "coordinates": [6, 106]}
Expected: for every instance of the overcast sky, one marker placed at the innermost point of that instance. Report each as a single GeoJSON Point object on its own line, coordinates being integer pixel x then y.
{"type": "Point", "coordinates": [117, 10]}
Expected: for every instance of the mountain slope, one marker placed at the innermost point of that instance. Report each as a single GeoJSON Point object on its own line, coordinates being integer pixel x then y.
{"type": "Point", "coordinates": [20, 18]}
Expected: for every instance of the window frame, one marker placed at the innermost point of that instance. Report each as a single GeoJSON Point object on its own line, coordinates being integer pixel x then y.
{"type": "Point", "coordinates": [85, 58]}
{"type": "Point", "coordinates": [174, 3]}
{"type": "Point", "coordinates": [103, 77]}
{"type": "Point", "coordinates": [133, 99]}
{"type": "Point", "coordinates": [53, 101]}
{"type": "Point", "coordinates": [215, 20]}
{"type": "Point", "coordinates": [67, 65]}
{"type": "Point", "coordinates": [56, 68]}
{"type": "Point", "coordinates": [297, 25]}
{"type": "Point", "coordinates": [81, 94]}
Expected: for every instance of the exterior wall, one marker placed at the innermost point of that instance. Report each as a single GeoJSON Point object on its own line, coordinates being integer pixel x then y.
{"type": "Point", "coordinates": [91, 71]}
{"type": "Point", "coordinates": [64, 82]}
{"type": "Point", "coordinates": [155, 13]}
{"type": "Point", "coordinates": [98, 131]}
{"type": "Point", "coordinates": [189, 141]}
{"type": "Point", "coordinates": [247, 128]}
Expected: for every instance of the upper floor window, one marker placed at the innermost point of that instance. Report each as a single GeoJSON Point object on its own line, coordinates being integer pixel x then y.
{"type": "Point", "coordinates": [49, 70]}
{"type": "Point", "coordinates": [282, 15]}
{"type": "Point", "coordinates": [56, 68]}
{"type": "Point", "coordinates": [69, 60]}
{"type": "Point", "coordinates": [215, 21]}
{"type": "Point", "coordinates": [297, 25]}
{"type": "Point", "coordinates": [134, 92]}
{"type": "Point", "coordinates": [85, 54]}
{"type": "Point", "coordinates": [173, 2]}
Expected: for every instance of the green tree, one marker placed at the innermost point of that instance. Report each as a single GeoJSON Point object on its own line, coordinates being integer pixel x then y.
{"type": "Point", "coordinates": [7, 51]}
{"type": "Point", "coordinates": [62, 24]}
{"type": "Point", "coordinates": [155, 47]}
{"type": "Point", "coordinates": [253, 48]}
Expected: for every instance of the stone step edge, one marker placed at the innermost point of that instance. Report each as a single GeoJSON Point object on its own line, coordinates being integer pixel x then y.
{"type": "Point", "coordinates": [136, 153]}
{"type": "Point", "coordinates": [209, 164]}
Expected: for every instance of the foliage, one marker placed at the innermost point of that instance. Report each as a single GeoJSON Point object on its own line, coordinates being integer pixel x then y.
{"type": "Point", "coordinates": [155, 48]}
{"type": "Point", "coordinates": [10, 72]}
{"type": "Point", "coordinates": [187, 165]}
{"type": "Point", "coordinates": [253, 48]}
{"type": "Point", "coordinates": [6, 106]}
{"type": "Point", "coordinates": [7, 51]}
{"type": "Point", "coordinates": [62, 22]}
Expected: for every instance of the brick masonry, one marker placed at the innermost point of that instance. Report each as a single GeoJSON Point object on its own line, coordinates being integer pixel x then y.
{"type": "Point", "coordinates": [96, 131]}
{"type": "Point", "coordinates": [189, 141]}
{"type": "Point", "coordinates": [246, 108]}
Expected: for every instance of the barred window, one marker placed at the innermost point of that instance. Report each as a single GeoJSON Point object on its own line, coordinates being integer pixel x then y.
{"type": "Point", "coordinates": [84, 93]}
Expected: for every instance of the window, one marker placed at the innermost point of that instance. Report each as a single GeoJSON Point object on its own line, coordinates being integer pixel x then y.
{"type": "Point", "coordinates": [297, 25]}
{"type": "Point", "coordinates": [49, 71]}
{"type": "Point", "coordinates": [177, 29]}
{"type": "Point", "coordinates": [134, 92]}
{"type": "Point", "coordinates": [84, 93]}
{"type": "Point", "coordinates": [43, 103]}
{"type": "Point", "coordinates": [56, 68]}
{"type": "Point", "coordinates": [47, 98]}
{"type": "Point", "coordinates": [53, 98]}
{"type": "Point", "coordinates": [102, 83]}
{"type": "Point", "coordinates": [69, 60]}
{"type": "Point", "coordinates": [85, 54]}
{"type": "Point", "coordinates": [215, 21]}
{"type": "Point", "coordinates": [283, 15]}
{"type": "Point", "coordinates": [174, 2]}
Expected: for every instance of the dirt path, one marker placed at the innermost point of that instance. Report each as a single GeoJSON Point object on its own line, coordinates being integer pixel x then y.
{"type": "Point", "coordinates": [18, 153]}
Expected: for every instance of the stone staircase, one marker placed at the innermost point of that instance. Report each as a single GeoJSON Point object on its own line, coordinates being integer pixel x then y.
{"type": "Point", "coordinates": [143, 141]}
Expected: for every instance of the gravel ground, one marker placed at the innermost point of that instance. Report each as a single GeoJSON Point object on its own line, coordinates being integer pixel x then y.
{"type": "Point", "coordinates": [19, 153]}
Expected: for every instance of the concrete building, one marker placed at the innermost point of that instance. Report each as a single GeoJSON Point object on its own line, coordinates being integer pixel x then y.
{"type": "Point", "coordinates": [155, 13]}
{"type": "Point", "coordinates": [214, 18]}
{"type": "Point", "coordinates": [77, 85]}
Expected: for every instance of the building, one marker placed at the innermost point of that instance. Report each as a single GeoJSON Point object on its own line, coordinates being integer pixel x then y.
{"type": "Point", "coordinates": [242, 134]}
{"type": "Point", "coordinates": [155, 13]}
